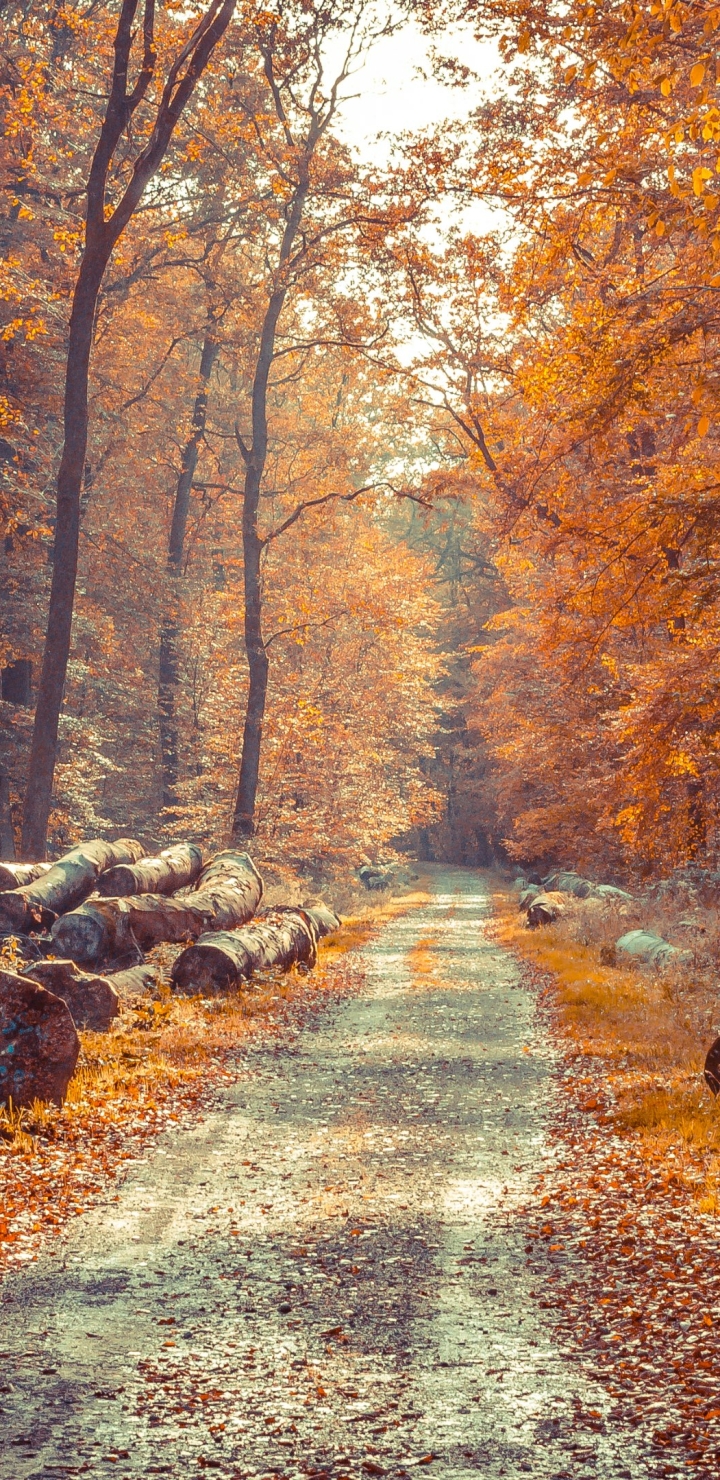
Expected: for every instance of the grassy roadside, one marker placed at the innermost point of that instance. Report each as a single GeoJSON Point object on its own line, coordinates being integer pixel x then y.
{"type": "Point", "coordinates": [158, 1067]}
{"type": "Point", "coordinates": [645, 1035]}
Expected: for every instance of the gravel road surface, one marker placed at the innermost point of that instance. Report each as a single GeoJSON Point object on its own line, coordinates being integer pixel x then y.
{"type": "Point", "coordinates": [326, 1277]}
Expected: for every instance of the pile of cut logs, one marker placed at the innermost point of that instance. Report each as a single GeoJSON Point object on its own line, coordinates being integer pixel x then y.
{"type": "Point", "coordinates": [99, 908]}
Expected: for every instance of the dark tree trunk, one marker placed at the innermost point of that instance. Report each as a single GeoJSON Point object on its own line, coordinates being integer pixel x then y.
{"type": "Point", "coordinates": [243, 824]}
{"type": "Point", "coordinates": [244, 819]}
{"type": "Point", "coordinates": [43, 751]}
{"type": "Point", "coordinates": [7, 836]}
{"type": "Point", "coordinates": [102, 232]}
{"type": "Point", "coordinates": [168, 668]}
{"type": "Point", "coordinates": [17, 683]}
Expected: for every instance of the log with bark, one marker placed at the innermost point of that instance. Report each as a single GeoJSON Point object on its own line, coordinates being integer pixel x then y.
{"type": "Point", "coordinates": [545, 908]}
{"type": "Point", "coordinates": [64, 885]}
{"type": "Point", "coordinates": [92, 1000]}
{"type": "Point", "coordinates": [174, 868]}
{"type": "Point", "coordinates": [324, 920]}
{"type": "Point", "coordinates": [281, 937]}
{"type": "Point", "coordinates": [135, 981]}
{"type": "Point", "coordinates": [16, 875]}
{"type": "Point", "coordinates": [39, 1045]}
{"type": "Point", "coordinates": [228, 892]}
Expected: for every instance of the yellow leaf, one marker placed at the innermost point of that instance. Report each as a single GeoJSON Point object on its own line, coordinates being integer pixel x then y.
{"type": "Point", "coordinates": [697, 73]}
{"type": "Point", "coordinates": [570, 74]}
{"type": "Point", "coordinates": [524, 42]}
{"type": "Point", "coordinates": [666, 87]}
{"type": "Point", "coordinates": [703, 426]}
{"type": "Point", "coordinates": [699, 176]}
{"type": "Point", "coordinates": [660, 228]}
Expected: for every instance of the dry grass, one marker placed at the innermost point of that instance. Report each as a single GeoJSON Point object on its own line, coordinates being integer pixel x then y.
{"type": "Point", "coordinates": [649, 1031]}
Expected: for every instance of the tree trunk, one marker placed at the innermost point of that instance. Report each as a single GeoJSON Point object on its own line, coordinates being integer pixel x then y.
{"type": "Point", "coordinates": [220, 960]}
{"type": "Point", "coordinates": [64, 885]}
{"type": "Point", "coordinates": [168, 669]}
{"type": "Point", "coordinates": [105, 929]}
{"type": "Point", "coordinates": [243, 824]}
{"type": "Point", "coordinates": [7, 836]}
{"type": "Point", "coordinates": [102, 232]}
{"type": "Point", "coordinates": [43, 751]}
{"type": "Point", "coordinates": [324, 920]}
{"type": "Point", "coordinates": [39, 1044]}
{"type": "Point", "coordinates": [244, 817]}
{"type": "Point", "coordinates": [174, 868]}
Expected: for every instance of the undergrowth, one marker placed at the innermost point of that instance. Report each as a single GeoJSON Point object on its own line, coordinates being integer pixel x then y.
{"type": "Point", "coordinates": [647, 1031]}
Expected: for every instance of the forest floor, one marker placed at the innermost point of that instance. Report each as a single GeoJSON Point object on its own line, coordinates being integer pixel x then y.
{"type": "Point", "coordinates": [407, 1233]}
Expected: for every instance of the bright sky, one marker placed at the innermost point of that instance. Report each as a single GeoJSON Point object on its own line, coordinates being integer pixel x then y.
{"type": "Point", "coordinates": [394, 97]}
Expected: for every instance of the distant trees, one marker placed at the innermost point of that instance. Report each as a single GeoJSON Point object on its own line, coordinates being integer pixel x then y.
{"type": "Point", "coordinates": [577, 351]}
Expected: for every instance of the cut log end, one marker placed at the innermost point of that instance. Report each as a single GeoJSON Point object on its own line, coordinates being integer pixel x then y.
{"type": "Point", "coordinates": [204, 971]}
{"type": "Point", "coordinates": [80, 937]}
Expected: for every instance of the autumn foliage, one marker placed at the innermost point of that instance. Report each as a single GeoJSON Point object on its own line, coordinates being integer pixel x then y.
{"type": "Point", "coordinates": [577, 366]}
{"type": "Point", "coordinates": [460, 539]}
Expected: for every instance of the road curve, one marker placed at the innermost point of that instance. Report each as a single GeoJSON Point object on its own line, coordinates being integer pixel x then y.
{"type": "Point", "coordinates": [326, 1277]}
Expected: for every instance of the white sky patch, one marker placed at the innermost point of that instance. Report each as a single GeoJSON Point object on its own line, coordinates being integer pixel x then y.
{"type": "Point", "coordinates": [396, 93]}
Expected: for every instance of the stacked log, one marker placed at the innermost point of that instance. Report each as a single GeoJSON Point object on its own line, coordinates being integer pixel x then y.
{"type": "Point", "coordinates": [15, 875]}
{"type": "Point", "coordinates": [324, 920]}
{"type": "Point", "coordinates": [545, 908]}
{"type": "Point", "coordinates": [282, 937]}
{"type": "Point", "coordinates": [174, 868]}
{"type": "Point", "coordinates": [136, 980]}
{"type": "Point", "coordinates": [64, 884]}
{"type": "Point", "coordinates": [227, 893]}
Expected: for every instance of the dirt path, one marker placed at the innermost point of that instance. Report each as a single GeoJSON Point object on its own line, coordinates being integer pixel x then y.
{"type": "Point", "coordinates": [327, 1277]}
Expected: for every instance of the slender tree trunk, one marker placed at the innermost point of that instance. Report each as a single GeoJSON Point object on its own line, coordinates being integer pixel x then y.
{"type": "Point", "coordinates": [168, 668]}
{"type": "Point", "coordinates": [7, 839]}
{"type": "Point", "coordinates": [65, 557]}
{"type": "Point", "coordinates": [244, 818]}
{"type": "Point", "coordinates": [103, 229]}
{"type": "Point", "coordinates": [243, 824]}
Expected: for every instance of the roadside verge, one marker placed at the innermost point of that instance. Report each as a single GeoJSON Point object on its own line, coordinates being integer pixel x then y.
{"type": "Point", "coordinates": [624, 1231]}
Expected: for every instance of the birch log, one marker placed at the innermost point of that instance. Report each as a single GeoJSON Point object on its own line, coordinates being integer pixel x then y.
{"type": "Point", "coordinates": [64, 885]}
{"type": "Point", "coordinates": [324, 920]}
{"type": "Point", "coordinates": [136, 980]}
{"type": "Point", "coordinates": [174, 868]}
{"type": "Point", "coordinates": [221, 959]}
{"type": "Point", "coordinates": [15, 875]}
{"type": "Point", "coordinates": [103, 929]}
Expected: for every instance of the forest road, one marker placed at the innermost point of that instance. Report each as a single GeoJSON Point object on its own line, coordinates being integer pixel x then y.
{"type": "Point", "coordinates": [326, 1276]}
